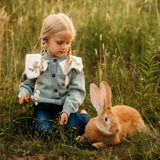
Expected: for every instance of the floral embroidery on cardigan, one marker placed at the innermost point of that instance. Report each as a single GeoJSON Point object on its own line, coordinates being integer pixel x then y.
{"type": "Point", "coordinates": [76, 63]}
{"type": "Point", "coordinates": [32, 64]}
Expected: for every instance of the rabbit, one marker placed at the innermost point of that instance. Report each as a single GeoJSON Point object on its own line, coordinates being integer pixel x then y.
{"type": "Point", "coordinates": [112, 124]}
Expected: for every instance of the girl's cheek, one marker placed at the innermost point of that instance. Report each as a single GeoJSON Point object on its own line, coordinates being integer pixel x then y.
{"type": "Point", "coordinates": [58, 46]}
{"type": "Point", "coordinates": [68, 46]}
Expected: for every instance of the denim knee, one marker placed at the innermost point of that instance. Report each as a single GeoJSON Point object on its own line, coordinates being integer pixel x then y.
{"type": "Point", "coordinates": [42, 122]}
{"type": "Point", "coordinates": [78, 121]}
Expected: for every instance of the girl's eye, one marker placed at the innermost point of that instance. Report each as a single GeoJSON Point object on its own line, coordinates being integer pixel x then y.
{"type": "Point", "coordinates": [106, 119]}
{"type": "Point", "coordinates": [59, 43]}
{"type": "Point", "coordinates": [68, 42]}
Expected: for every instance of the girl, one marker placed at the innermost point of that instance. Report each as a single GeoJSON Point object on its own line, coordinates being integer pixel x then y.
{"type": "Point", "coordinates": [54, 79]}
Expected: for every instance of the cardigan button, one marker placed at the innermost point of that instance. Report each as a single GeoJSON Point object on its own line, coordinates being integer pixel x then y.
{"type": "Point", "coordinates": [53, 75]}
{"type": "Point", "coordinates": [55, 60]}
{"type": "Point", "coordinates": [55, 90]}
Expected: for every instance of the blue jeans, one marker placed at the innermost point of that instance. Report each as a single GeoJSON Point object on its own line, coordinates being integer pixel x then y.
{"type": "Point", "coordinates": [45, 115]}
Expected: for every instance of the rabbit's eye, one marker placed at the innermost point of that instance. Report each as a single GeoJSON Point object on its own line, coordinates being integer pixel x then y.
{"type": "Point", "coordinates": [106, 119]}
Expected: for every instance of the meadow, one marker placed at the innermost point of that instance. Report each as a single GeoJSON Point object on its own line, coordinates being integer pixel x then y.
{"type": "Point", "coordinates": [119, 42]}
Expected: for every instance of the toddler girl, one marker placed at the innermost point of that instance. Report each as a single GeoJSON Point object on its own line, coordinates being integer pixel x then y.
{"type": "Point", "coordinates": [54, 79]}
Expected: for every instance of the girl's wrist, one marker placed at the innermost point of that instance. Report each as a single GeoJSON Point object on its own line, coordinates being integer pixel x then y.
{"type": "Point", "coordinates": [64, 113]}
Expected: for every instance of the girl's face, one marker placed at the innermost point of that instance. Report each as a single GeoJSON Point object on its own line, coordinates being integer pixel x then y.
{"type": "Point", "coordinates": [59, 44]}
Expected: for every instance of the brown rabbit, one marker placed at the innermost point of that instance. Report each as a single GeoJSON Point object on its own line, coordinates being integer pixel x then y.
{"type": "Point", "coordinates": [112, 123]}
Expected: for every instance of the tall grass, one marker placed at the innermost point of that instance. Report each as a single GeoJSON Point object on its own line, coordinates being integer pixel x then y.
{"type": "Point", "coordinates": [119, 41]}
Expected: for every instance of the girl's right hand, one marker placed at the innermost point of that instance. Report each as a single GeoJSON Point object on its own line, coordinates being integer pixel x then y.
{"type": "Point", "coordinates": [24, 98]}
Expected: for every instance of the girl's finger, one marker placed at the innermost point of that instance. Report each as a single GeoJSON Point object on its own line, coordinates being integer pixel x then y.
{"type": "Point", "coordinates": [61, 121]}
{"type": "Point", "coordinates": [20, 101]}
{"type": "Point", "coordinates": [26, 99]}
{"type": "Point", "coordinates": [65, 121]}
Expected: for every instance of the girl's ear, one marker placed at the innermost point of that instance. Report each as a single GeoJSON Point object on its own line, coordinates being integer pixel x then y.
{"type": "Point", "coordinates": [96, 98]}
{"type": "Point", "coordinates": [106, 92]}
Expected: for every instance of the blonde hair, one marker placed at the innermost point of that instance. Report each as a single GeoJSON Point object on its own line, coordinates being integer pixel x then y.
{"type": "Point", "coordinates": [53, 24]}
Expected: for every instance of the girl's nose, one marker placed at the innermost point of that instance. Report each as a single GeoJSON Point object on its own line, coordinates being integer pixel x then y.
{"type": "Point", "coordinates": [64, 46]}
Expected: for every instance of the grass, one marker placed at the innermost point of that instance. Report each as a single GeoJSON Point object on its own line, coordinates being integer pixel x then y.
{"type": "Point", "coordinates": [119, 42]}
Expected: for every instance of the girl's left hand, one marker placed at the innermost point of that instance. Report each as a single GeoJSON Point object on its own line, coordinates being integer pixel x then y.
{"type": "Point", "coordinates": [64, 118]}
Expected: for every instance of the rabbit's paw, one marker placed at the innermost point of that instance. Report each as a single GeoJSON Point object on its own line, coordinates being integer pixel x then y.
{"type": "Point", "coordinates": [98, 144]}
{"type": "Point", "coordinates": [78, 138]}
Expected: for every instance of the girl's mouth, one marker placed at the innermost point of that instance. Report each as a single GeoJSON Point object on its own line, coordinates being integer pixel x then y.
{"type": "Point", "coordinates": [62, 52]}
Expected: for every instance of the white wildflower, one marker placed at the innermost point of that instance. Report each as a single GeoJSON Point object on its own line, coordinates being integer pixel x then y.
{"type": "Point", "coordinates": [36, 95]}
{"type": "Point", "coordinates": [36, 103]}
{"type": "Point", "coordinates": [38, 92]}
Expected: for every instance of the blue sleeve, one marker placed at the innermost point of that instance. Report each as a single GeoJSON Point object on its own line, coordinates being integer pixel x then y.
{"type": "Point", "coordinates": [27, 86]}
{"type": "Point", "coordinates": [76, 93]}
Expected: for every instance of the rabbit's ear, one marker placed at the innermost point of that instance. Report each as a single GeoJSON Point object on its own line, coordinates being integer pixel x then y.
{"type": "Point", "coordinates": [96, 98]}
{"type": "Point", "coordinates": [106, 92]}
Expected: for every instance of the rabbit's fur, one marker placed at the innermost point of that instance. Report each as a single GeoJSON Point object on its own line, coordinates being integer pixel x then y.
{"type": "Point", "coordinates": [112, 123]}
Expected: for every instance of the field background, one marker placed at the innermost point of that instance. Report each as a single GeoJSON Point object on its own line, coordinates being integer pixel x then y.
{"type": "Point", "coordinates": [119, 42]}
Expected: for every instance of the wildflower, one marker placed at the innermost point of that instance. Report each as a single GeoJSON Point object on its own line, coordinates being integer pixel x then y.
{"type": "Point", "coordinates": [36, 96]}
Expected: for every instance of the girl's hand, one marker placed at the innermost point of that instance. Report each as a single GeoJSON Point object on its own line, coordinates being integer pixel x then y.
{"type": "Point", "coordinates": [24, 98]}
{"type": "Point", "coordinates": [64, 118]}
